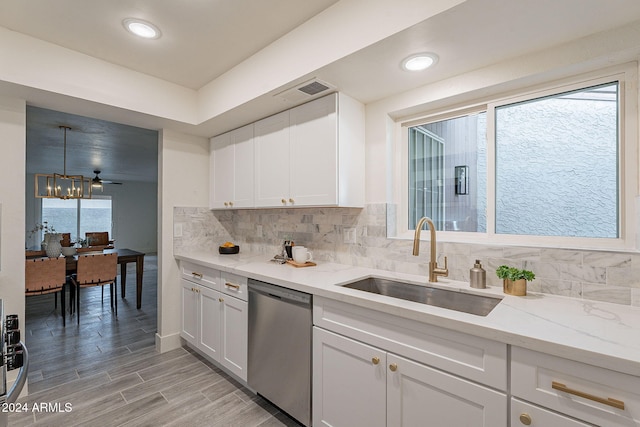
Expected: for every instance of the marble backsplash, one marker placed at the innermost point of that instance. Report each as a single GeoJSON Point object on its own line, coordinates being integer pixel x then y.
{"type": "Point", "coordinates": [603, 276]}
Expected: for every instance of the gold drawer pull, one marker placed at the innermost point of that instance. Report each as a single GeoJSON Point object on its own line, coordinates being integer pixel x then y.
{"type": "Point", "coordinates": [604, 400]}
{"type": "Point", "coordinates": [198, 275]}
{"type": "Point", "coordinates": [393, 367]}
{"type": "Point", "coordinates": [375, 360]}
{"type": "Point", "coordinates": [231, 285]}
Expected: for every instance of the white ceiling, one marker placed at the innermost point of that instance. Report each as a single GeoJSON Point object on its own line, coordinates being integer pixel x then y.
{"type": "Point", "coordinates": [204, 38]}
{"type": "Point", "coordinates": [120, 152]}
{"type": "Point", "coordinates": [201, 39]}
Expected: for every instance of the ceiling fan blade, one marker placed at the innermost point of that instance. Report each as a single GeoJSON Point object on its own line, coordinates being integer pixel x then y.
{"type": "Point", "coordinates": [97, 181]}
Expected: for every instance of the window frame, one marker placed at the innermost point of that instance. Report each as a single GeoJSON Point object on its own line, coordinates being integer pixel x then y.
{"type": "Point", "coordinates": [628, 163]}
{"type": "Point", "coordinates": [79, 212]}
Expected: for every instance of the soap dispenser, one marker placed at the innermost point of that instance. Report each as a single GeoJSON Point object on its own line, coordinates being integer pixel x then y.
{"type": "Point", "coordinates": [478, 276]}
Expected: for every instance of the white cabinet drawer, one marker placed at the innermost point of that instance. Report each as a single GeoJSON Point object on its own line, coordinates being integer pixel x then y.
{"type": "Point", "coordinates": [472, 357]}
{"type": "Point", "coordinates": [525, 414]}
{"type": "Point", "coordinates": [583, 391]}
{"type": "Point", "coordinates": [232, 284]}
{"type": "Point", "coordinates": [204, 276]}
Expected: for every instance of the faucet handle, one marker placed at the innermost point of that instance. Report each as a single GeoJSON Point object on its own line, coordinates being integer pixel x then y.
{"type": "Point", "coordinates": [444, 272]}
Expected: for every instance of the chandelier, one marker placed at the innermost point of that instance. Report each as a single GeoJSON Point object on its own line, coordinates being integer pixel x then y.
{"type": "Point", "coordinates": [62, 186]}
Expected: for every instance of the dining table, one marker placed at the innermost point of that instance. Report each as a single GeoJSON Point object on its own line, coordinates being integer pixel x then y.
{"type": "Point", "coordinates": [125, 256]}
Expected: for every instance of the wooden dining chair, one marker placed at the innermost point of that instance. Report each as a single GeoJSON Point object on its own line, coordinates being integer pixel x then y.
{"type": "Point", "coordinates": [34, 254]}
{"type": "Point", "coordinates": [98, 240]}
{"type": "Point", "coordinates": [46, 276]}
{"type": "Point", "coordinates": [66, 240]}
{"type": "Point", "coordinates": [96, 270]}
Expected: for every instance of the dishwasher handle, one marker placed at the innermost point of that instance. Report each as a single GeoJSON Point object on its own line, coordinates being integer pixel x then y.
{"type": "Point", "coordinates": [278, 292]}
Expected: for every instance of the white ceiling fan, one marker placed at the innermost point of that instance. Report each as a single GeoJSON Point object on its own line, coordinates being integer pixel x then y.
{"type": "Point", "coordinates": [98, 182]}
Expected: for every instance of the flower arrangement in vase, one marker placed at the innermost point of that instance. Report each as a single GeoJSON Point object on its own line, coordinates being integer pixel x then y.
{"type": "Point", "coordinates": [42, 227]}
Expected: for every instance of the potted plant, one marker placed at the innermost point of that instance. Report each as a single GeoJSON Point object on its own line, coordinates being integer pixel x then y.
{"type": "Point", "coordinates": [514, 279]}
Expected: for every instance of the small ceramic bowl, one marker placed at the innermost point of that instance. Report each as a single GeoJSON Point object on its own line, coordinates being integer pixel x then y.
{"type": "Point", "coordinates": [68, 251]}
{"type": "Point", "coordinates": [229, 251]}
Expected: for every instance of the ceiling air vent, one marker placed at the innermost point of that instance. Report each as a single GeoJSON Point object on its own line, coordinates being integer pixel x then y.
{"type": "Point", "coordinates": [313, 88]}
{"type": "Point", "coordinates": [306, 91]}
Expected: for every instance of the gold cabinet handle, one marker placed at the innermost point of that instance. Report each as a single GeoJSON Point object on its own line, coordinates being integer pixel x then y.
{"type": "Point", "coordinates": [393, 367]}
{"type": "Point", "coordinates": [284, 201]}
{"type": "Point", "coordinates": [226, 204]}
{"type": "Point", "coordinates": [193, 289]}
{"type": "Point", "coordinates": [604, 400]}
{"type": "Point", "coordinates": [220, 300]}
{"type": "Point", "coordinates": [232, 285]}
{"type": "Point", "coordinates": [198, 275]}
{"type": "Point", "coordinates": [525, 419]}
{"type": "Point", "coordinates": [291, 201]}
{"type": "Point", "coordinates": [230, 203]}
{"type": "Point", "coordinates": [375, 360]}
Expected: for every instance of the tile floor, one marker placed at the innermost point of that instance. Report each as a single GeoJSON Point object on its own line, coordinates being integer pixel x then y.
{"type": "Point", "coordinates": [106, 372]}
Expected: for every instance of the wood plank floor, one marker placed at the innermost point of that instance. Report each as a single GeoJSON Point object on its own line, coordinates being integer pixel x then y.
{"type": "Point", "coordinates": [106, 372]}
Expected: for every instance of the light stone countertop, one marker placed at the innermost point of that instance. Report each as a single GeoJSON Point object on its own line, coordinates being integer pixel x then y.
{"type": "Point", "coordinates": [597, 333]}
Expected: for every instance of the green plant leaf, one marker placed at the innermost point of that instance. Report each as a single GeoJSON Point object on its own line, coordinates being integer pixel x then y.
{"type": "Point", "coordinates": [513, 273]}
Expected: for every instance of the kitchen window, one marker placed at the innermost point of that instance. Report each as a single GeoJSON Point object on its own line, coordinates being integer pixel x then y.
{"type": "Point", "coordinates": [556, 167]}
{"type": "Point", "coordinates": [436, 151]}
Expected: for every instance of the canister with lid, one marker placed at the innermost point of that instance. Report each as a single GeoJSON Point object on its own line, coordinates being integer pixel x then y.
{"type": "Point", "coordinates": [478, 276]}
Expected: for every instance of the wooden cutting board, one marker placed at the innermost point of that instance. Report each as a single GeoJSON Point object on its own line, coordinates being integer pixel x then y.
{"type": "Point", "coordinates": [297, 264]}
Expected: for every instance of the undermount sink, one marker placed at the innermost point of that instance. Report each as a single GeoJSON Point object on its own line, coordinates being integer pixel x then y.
{"type": "Point", "coordinates": [479, 305]}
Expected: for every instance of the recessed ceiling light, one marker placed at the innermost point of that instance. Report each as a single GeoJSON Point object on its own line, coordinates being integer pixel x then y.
{"type": "Point", "coordinates": [141, 28]}
{"type": "Point", "coordinates": [419, 62]}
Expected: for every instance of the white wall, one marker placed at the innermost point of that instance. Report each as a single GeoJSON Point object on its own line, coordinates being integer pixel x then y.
{"type": "Point", "coordinates": [12, 171]}
{"type": "Point", "coordinates": [135, 215]}
{"type": "Point", "coordinates": [183, 180]}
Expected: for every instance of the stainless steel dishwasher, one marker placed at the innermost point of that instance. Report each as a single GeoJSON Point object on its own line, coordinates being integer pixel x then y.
{"type": "Point", "coordinates": [280, 322]}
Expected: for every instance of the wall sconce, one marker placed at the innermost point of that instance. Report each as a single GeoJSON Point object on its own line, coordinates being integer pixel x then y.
{"type": "Point", "coordinates": [462, 180]}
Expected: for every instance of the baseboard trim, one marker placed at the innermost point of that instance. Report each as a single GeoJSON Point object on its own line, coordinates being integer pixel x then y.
{"type": "Point", "coordinates": [168, 342]}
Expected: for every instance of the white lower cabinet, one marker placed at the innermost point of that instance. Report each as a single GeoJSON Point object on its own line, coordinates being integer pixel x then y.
{"type": "Point", "coordinates": [216, 324]}
{"type": "Point", "coordinates": [190, 319]}
{"type": "Point", "coordinates": [349, 382]}
{"type": "Point", "coordinates": [355, 384]}
{"type": "Point", "coordinates": [210, 312]}
{"type": "Point", "coordinates": [233, 335]}
{"type": "Point", "coordinates": [585, 392]}
{"type": "Point", "coordinates": [201, 318]}
{"type": "Point", "coordinates": [419, 395]}
{"type": "Point", "coordinates": [526, 414]}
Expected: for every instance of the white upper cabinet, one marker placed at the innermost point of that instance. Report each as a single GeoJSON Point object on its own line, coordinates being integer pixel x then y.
{"type": "Point", "coordinates": [311, 155]}
{"type": "Point", "coordinates": [231, 168]}
{"type": "Point", "coordinates": [272, 160]}
{"type": "Point", "coordinates": [313, 139]}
